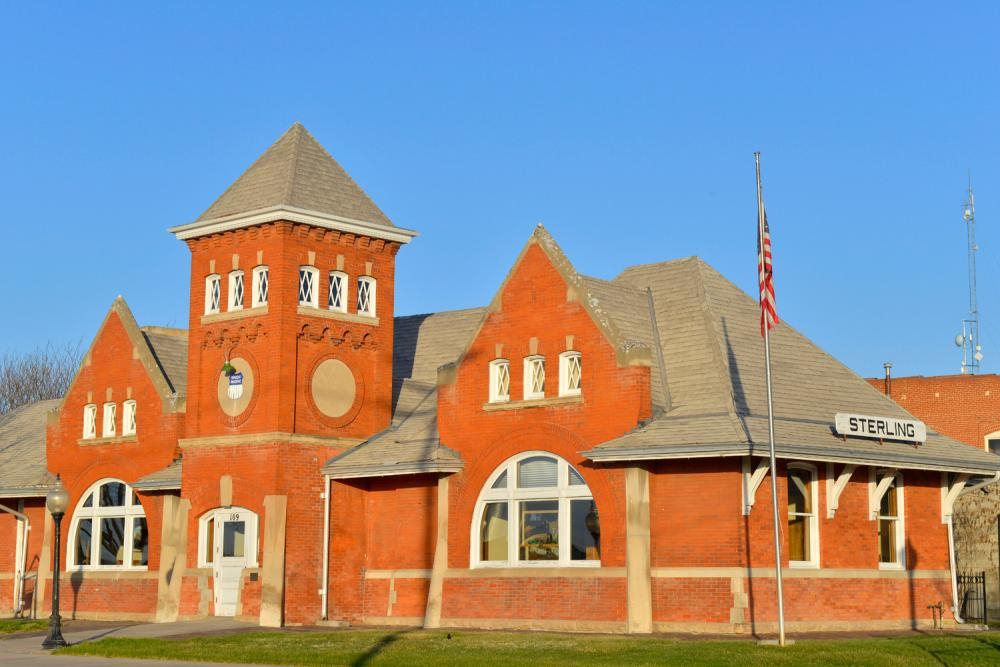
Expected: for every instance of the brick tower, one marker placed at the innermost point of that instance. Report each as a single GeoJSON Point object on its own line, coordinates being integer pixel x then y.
{"type": "Point", "coordinates": [289, 359]}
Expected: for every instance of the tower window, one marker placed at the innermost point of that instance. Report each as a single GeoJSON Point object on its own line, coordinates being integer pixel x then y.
{"type": "Point", "coordinates": [366, 296]}
{"type": "Point", "coordinates": [259, 287]}
{"type": "Point", "coordinates": [308, 292]}
{"type": "Point", "coordinates": [337, 295]}
{"type": "Point", "coordinates": [236, 290]}
{"type": "Point", "coordinates": [534, 377]}
{"type": "Point", "coordinates": [213, 293]}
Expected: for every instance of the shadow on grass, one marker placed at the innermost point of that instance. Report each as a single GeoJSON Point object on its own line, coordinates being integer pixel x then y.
{"type": "Point", "coordinates": [382, 644]}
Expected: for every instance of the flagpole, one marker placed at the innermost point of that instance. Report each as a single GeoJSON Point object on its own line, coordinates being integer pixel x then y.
{"type": "Point", "coordinates": [770, 421]}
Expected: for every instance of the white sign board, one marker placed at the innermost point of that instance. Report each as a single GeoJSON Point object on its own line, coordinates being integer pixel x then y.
{"type": "Point", "coordinates": [883, 428]}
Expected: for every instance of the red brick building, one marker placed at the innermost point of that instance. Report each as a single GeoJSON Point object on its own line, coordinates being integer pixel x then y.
{"type": "Point", "coordinates": [579, 454]}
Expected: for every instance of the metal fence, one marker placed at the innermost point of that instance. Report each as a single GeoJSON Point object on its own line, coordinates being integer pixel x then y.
{"type": "Point", "coordinates": [972, 597]}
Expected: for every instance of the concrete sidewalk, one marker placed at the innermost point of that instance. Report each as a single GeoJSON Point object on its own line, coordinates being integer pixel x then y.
{"type": "Point", "coordinates": [27, 651]}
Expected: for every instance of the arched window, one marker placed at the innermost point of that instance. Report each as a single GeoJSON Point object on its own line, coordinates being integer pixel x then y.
{"type": "Point", "coordinates": [366, 295]}
{"type": "Point", "coordinates": [309, 286]}
{"type": "Point", "coordinates": [337, 292]}
{"type": "Point", "coordinates": [109, 529]}
{"type": "Point", "coordinates": [259, 287]}
{"type": "Point", "coordinates": [535, 510]}
{"type": "Point", "coordinates": [803, 522]}
{"type": "Point", "coordinates": [213, 293]}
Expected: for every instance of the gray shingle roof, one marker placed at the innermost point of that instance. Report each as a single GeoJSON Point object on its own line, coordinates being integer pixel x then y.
{"type": "Point", "coordinates": [162, 479]}
{"type": "Point", "coordinates": [710, 331]}
{"type": "Point", "coordinates": [296, 171]}
{"type": "Point", "coordinates": [169, 348]}
{"type": "Point", "coordinates": [22, 450]}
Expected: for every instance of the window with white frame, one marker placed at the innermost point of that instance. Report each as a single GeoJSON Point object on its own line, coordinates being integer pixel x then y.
{"type": "Point", "coordinates": [803, 523]}
{"type": "Point", "coordinates": [534, 377]}
{"type": "Point", "coordinates": [90, 421]}
{"type": "Point", "coordinates": [128, 417]}
{"type": "Point", "coordinates": [235, 291]}
{"type": "Point", "coordinates": [110, 417]}
{"type": "Point", "coordinates": [891, 539]}
{"type": "Point", "coordinates": [337, 292]}
{"type": "Point", "coordinates": [536, 510]}
{"type": "Point", "coordinates": [499, 380]}
{"type": "Point", "coordinates": [366, 295]}
{"type": "Point", "coordinates": [213, 293]}
{"type": "Point", "coordinates": [309, 286]}
{"type": "Point", "coordinates": [259, 287]}
{"type": "Point", "coordinates": [108, 529]}
{"type": "Point", "coordinates": [992, 442]}
{"type": "Point", "coordinates": [570, 374]}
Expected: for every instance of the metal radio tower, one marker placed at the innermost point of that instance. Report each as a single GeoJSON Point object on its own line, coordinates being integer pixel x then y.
{"type": "Point", "coordinates": [968, 340]}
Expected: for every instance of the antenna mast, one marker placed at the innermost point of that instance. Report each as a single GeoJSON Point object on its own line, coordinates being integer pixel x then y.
{"type": "Point", "coordinates": [968, 340]}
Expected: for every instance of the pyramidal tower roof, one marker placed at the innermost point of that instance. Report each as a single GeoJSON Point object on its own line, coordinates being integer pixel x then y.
{"type": "Point", "coordinates": [296, 179]}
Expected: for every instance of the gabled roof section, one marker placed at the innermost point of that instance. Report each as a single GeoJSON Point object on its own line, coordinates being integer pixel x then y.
{"type": "Point", "coordinates": [23, 472]}
{"type": "Point", "coordinates": [630, 351]}
{"type": "Point", "coordinates": [297, 179]}
{"type": "Point", "coordinates": [150, 347]}
{"type": "Point", "coordinates": [710, 332]}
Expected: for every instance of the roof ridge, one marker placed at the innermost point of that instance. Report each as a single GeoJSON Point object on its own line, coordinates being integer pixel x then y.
{"type": "Point", "coordinates": [293, 165]}
{"type": "Point", "coordinates": [440, 312]}
{"type": "Point", "coordinates": [649, 265]}
{"type": "Point", "coordinates": [168, 331]}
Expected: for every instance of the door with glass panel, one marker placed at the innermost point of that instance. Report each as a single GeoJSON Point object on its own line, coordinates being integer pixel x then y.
{"type": "Point", "coordinates": [231, 546]}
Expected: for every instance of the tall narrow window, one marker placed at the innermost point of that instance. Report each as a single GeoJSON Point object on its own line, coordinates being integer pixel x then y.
{"type": "Point", "coordinates": [803, 535]}
{"type": "Point", "coordinates": [536, 510]}
{"type": "Point", "coordinates": [499, 380]}
{"type": "Point", "coordinates": [259, 287]}
{"type": "Point", "coordinates": [128, 418]}
{"type": "Point", "coordinates": [213, 293]}
{"type": "Point", "coordinates": [366, 295]}
{"type": "Point", "coordinates": [109, 420]}
{"type": "Point", "coordinates": [236, 290]}
{"type": "Point", "coordinates": [109, 529]}
{"type": "Point", "coordinates": [308, 288]}
{"type": "Point", "coordinates": [337, 294]}
{"type": "Point", "coordinates": [534, 377]}
{"type": "Point", "coordinates": [570, 374]}
{"type": "Point", "coordinates": [890, 526]}
{"type": "Point", "coordinates": [90, 421]}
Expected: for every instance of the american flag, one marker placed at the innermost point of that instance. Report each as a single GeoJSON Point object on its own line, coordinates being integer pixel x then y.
{"type": "Point", "coordinates": [765, 273]}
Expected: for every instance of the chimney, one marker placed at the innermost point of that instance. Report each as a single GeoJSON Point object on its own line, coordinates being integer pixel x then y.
{"type": "Point", "coordinates": [888, 378]}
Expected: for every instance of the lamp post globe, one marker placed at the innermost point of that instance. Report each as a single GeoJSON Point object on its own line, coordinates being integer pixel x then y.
{"type": "Point", "coordinates": [56, 501]}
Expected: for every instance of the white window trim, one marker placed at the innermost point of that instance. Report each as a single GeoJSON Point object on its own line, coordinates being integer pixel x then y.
{"type": "Point", "coordinates": [250, 546]}
{"type": "Point", "coordinates": [343, 291]}
{"type": "Point", "coordinates": [255, 301]}
{"type": "Point", "coordinates": [990, 436]}
{"type": "Point", "coordinates": [313, 301]}
{"type": "Point", "coordinates": [370, 281]}
{"type": "Point", "coordinates": [529, 395]}
{"type": "Point", "coordinates": [96, 513]}
{"type": "Point", "coordinates": [89, 421]}
{"type": "Point", "coordinates": [129, 421]}
{"type": "Point", "coordinates": [900, 520]}
{"type": "Point", "coordinates": [512, 495]}
{"type": "Point", "coordinates": [235, 276]}
{"type": "Point", "coordinates": [564, 362]}
{"type": "Point", "coordinates": [813, 561]}
{"type": "Point", "coordinates": [109, 418]}
{"type": "Point", "coordinates": [495, 395]}
{"type": "Point", "coordinates": [212, 281]}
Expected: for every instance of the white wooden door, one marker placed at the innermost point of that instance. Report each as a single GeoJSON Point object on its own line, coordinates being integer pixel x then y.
{"type": "Point", "coordinates": [232, 553]}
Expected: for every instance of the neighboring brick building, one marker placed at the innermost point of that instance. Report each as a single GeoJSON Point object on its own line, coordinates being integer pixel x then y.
{"type": "Point", "coordinates": [579, 454]}
{"type": "Point", "coordinates": [967, 408]}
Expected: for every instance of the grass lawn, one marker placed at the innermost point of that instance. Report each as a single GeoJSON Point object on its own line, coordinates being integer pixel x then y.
{"type": "Point", "coordinates": [387, 647]}
{"type": "Point", "coordinates": [9, 626]}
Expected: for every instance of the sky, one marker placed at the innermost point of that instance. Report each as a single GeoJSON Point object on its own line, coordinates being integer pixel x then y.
{"type": "Point", "coordinates": [628, 129]}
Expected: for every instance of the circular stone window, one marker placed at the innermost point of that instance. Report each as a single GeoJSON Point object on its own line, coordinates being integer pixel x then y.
{"type": "Point", "coordinates": [333, 388]}
{"type": "Point", "coordinates": [236, 390]}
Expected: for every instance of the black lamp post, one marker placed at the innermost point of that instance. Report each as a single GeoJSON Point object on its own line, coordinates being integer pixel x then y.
{"type": "Point", "coordinates": [56, 502]}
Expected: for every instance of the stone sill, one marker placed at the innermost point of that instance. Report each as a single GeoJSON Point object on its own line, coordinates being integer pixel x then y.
{"type": "Point", "coordinates": [234, 314]}
{"type": "Point", "coordinates": [117, 440]}
{"type": "Point", "coordinates": [533, 403]}
{"type": "Point", "coordinates": [337, 315]}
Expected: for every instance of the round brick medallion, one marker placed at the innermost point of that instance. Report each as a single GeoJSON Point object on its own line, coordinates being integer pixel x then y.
{"type": "Point", "coordinates": [235, 391]}
{"type": "Point", "coordinates": [333, 388]}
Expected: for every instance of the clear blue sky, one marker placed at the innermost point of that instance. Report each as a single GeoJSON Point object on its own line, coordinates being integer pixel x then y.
{"type": "Point", "coordinates": [628, 129]}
